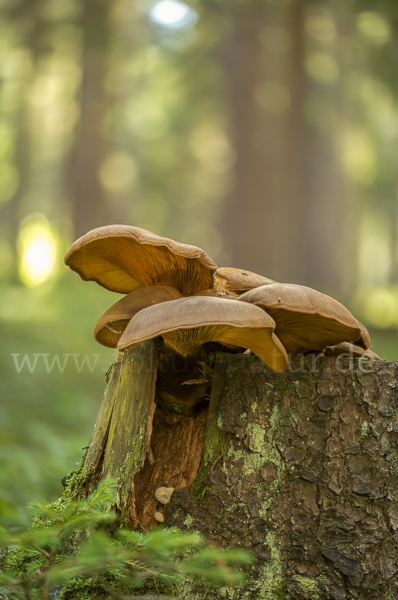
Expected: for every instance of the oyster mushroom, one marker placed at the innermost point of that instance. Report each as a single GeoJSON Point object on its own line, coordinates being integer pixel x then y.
{"type": "Point", "coordinates": [364, 340]}
{"type": "Point", "coordinates": [188, 323]}
{"type": "Point", "coordinates": [350, 349]}
{"type": "Point", "coordinates": [228, 280]}
{"type": "Point", "coordinates": [113, 322]}
{"type": "Point", "coordinates": [304, 318]}
{"type": "Point", "coordinates": [123, 258]}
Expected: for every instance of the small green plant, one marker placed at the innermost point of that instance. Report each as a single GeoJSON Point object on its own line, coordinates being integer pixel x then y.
{"type": "Point", "coordinates": [78, 551]}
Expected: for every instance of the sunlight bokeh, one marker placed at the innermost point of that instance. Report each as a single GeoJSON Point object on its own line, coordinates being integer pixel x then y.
{"type": "Point", "coordinates": [173, 14]}
{"type": "Point", "coordinates": [38, 250]}
{"type": "Point", "coordinates": [374, 28]}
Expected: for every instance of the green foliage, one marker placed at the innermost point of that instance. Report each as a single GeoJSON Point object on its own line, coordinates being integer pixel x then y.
{"type": "Point", "coordinates": [47, 417]}
{"type": "Point", "coordinates": [78, 551]}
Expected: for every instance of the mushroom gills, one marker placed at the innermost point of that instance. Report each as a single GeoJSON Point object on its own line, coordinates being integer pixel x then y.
{"type": "Point", "coordinates": [188, 323]}
{"type": "Point", "coordinates": [262, 342]}
{"type": "Point", "coordinates": [310, 332]}
{"type": "Point", "coordinates": [118, 327]}
{"type": "Point", "coordinates": [305, 319]}
{"type": "Point", "coordinates": [123, 258]}
{"type": "Point", "coordinates": [114, 321]}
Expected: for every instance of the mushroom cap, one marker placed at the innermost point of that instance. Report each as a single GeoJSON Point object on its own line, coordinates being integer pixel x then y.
{"type": "Point", "coordinates": [237, 281]}
{"type": "Point", "coordinates": [123, 258]}
{"type": "Point", "coordinates": [304, 318]}
{"type": "Point", "coordinates": [188, 323]}
{"type": "Point", "coordinates": [159, 517]}
{"type": "Point", "coordinates": [364, 340]}
{"type": "Point", "coordinates": [351, 349]}
{"type": "Point", "coordinates": [114, 321]}
{"type": "Point", "coordinates": [163, 494]}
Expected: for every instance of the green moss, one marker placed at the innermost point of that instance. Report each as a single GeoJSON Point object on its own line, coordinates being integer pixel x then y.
{"type": "Point", "coordinates": [271, 584]}
{"type": "Point", "coordinates": [263, 445]}
{"type": "Point", "coordinates": [16, 561]}
{"type": "Point", "coordinates": [216, 443]}
{"type": "Point", "coordinates": [278, 388]}
{"type": "Point", "coordinates": [188, 521]}
{"type": "Point", "coordinates": [364, 430]}
{"type": "Point", "coordinates": [198, 489]}
{"type": "Point", "coordinates": [108, 374]}
{"type": "Point", "coordinates": [81, 589]}
{"type": "Point", "coordinates": [280, 592]}
{"type": "Point", "coordinates": [309, 587]}
{"type": "Point", "coordinates": [265, 450]}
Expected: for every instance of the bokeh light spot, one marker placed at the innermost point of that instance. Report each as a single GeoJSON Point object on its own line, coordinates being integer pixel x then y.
{"type": "Point", "coordinates": [173, 14]}
{"type": "Point", "coordinates": [118, 172]}
{"type": "Point", "coordinates": [211, 146]}
{"type": "Point", "coordinates": [37, 245]}
{"type": "Point", "coordinates": [381, 307]}
{"type": "Point", "coordinates": [321, 27]}
{"type": "Point", "coordinates": [374, 28]}
{"type": "Point", "coordinates": [322, 68]}
{"type": "Point", "coordinates": [358, 156]}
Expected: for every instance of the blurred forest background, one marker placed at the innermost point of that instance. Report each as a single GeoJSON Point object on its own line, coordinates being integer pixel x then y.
{"type": "Point", "coordinates": [263, 131]}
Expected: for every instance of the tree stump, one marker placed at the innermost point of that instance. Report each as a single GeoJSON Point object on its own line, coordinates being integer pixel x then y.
{"type": "Point", "coordinates": [299, 468]}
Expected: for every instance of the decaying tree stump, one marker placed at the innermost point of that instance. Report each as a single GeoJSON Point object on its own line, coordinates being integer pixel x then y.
{"type": "Point", "coordinates": [300, 468]}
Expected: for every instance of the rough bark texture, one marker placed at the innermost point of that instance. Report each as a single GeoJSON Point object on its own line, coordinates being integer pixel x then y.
{"type": "Point", "coordinates": [139, 444]}
{"type": "Point", "coordinates": [300, 468]}
{"type": "Point", "coordinates": [309, 480]}
{"type": "Point", "coordinates": [124, 425]}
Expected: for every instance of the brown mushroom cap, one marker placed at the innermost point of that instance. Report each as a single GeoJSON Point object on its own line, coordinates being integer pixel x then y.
{"type": "Point", "coordinates": [114, 321]}
{"type": "Point", "coordinates": [304, 318]}
{"type": "Point", "coordinates": [188, 323]}
{"type": "Point", "coordinates": [350, 349]}
{"type": "Point", "coordinates": [123, 258]}
{"type": "Point", "coordinates": [364, 340]}
{"type": "Point", "coordinates": [237, 281]}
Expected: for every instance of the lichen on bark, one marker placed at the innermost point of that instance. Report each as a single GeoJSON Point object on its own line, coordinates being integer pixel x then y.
{"type": "Point", "coordinates": [309, 481]}
{"type": "Point", "coordinates": [300, 468]}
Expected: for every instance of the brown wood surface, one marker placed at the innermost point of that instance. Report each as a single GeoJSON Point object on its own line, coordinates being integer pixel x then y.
{"type": "Point", "coordinates": [121, 438]}
{"type": "Point", "coordinates": [299, 468]}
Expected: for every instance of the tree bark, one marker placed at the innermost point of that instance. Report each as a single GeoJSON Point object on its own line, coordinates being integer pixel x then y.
{"type": "Point", "coordinates": [299, 468]}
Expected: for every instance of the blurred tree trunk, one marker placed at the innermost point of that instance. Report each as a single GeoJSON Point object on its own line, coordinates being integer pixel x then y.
{"type": "Point", "coordinates": [284, 216]}
{"type": "Point", "coordinates": [261, 227]}
{"type": "Point", "coordinates": [32, 27]}
{"type": "Point", "coordinates": [319, 189]}
{"type": "Point", "coordinates": [89, 205]}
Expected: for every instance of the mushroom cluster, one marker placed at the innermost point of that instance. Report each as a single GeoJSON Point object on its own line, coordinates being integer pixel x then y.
{"type": "Point", "coordinates": [176, 292]}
